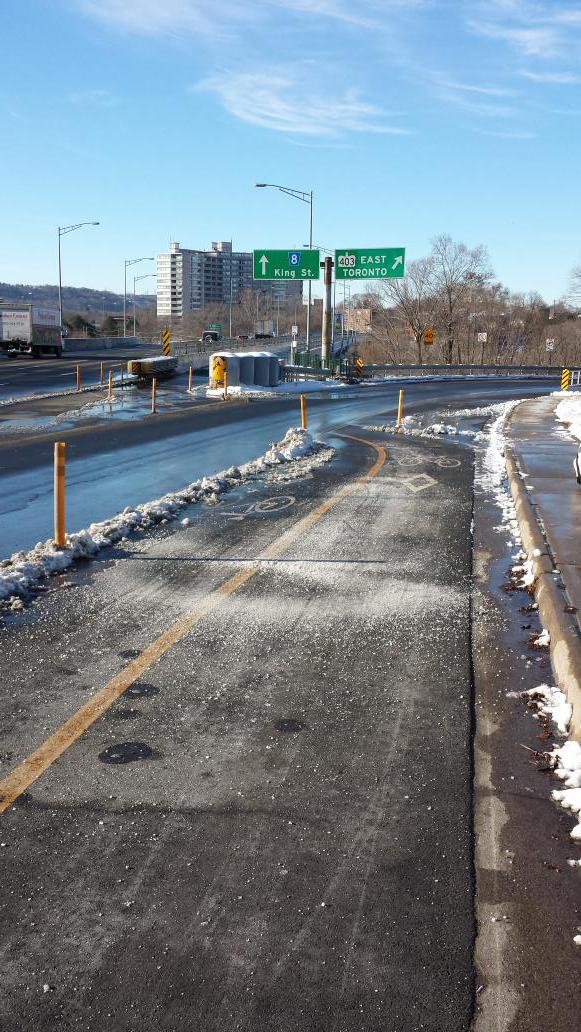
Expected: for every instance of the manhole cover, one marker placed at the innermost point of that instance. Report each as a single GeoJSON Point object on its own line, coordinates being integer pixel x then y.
{"type": "Point", "coordinates": [126, 752]}
{"type": "Point", "coordinates": [141, 689]}
{"type": "Point", "coordinates": [288, 725]}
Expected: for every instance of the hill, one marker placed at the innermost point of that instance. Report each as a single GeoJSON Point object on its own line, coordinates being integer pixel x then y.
{"type": "Point", "coordinates": [75, 299]}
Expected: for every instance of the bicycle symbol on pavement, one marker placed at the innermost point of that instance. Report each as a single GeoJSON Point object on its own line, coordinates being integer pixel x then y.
{"type": "Point", "coordinates": [265, 507]}
{"type": "Point", "coordinates": [443, 461]}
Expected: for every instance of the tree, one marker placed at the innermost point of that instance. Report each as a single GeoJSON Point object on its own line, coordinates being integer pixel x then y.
{"type": "Point", "coordinates": [414, 298]}
{"type": "Point", "coordinates": [458, 271]}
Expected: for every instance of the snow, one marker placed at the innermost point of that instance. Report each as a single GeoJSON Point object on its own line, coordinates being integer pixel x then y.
{"type": "Point", "coordinates": [568, 769]}
{"type": "Point", "coordinates": [568, 411]}
{"type": "Point", "coordinates": [24, 570]}
{"type": "Point", "coordinates": [492, 476]}
{"type": "Point", "coordinates": [302, 387]}
{"type": "Point", "coordinates": [551, 702]}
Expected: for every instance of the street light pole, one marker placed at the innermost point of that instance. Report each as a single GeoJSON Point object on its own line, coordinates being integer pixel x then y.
{"type": "Point", "coordinates": [136, 279]}
{"type": "Point", "coordinates": [306, 198]}
{"type": "Point", "coordinates": [62, 231]}
{"type": "Point", "coordinates": [128, 262]}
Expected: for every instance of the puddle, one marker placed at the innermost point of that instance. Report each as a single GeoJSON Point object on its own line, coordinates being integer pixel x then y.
{"type": "Point", "coordinates": [289, 726]}
{"type": "Point", "coordinates": [141, 690]}
{"type": "Point", "coordinates": [126, 752]}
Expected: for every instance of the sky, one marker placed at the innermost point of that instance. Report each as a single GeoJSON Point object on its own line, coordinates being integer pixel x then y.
{"type": "Point", "coordinates": [407, 119]}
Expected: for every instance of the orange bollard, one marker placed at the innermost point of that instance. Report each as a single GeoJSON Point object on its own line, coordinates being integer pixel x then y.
{"type": "Point", "coordinates": [79, 378]}
{"type": "Point", "coordinates": [304, 415]}
{"type": "Point", "coordinates": [110, 385]}
{"type": "Point", "coordinates": [102, 373]}
{"type": "Point", "coordinates": [153, 396]}
{"type": "Point", "coordinates": [190, 380]}
{"type": "Point", "coordinates": [60, 528]}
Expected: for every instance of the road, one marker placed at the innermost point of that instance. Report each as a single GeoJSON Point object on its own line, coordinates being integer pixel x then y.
{"type": "Point", "coordinates": [20, 377]}
{"type": "Point", "coordinates": [293, 851]}
{"type": "Point", "coordinates": [116, 462]}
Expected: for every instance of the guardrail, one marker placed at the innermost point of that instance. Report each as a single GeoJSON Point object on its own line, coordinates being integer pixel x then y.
{"type": "Point", "coordinates": [460, 370]}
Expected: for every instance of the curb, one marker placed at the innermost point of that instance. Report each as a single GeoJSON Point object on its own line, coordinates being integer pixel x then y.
{"type": "Point", "coordinates": [550, 595]}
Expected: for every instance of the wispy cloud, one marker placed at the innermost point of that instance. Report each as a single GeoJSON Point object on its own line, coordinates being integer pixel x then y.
{"type": "Point", "coordinates": [286, 101]}
{"type": "Point", "coordinates": [505, 134]}
{"type": "Point", "coordinates": [552, 78]}
{"type": "Point", "coordinates": [485, 91]}
{"type": "Point", "coordinates": [93, 98]}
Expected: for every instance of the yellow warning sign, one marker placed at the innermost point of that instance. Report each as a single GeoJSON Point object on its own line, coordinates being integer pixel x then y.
{"type": "Point", "coordinates": [566, 380]}
{"type": "Point", "coordinates": [429, 336]}
{"type": "Point", "coordinates": [219, 367]}
{"type": "Point", "coordinates": [359, 366]}
{"type": "Point", "coordinates": [166, 343]}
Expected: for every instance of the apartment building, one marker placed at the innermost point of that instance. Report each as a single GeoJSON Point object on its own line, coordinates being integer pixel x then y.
{"type": "Point", "coordinates": [188, 280]}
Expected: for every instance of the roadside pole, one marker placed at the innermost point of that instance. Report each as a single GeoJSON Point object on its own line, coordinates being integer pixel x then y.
{"type": "Point", "coordinates": [304, 415]}
{"type": "Point", "coordinates": [327, 311]}
{"type": "Point", "coordinates": [400, 410]}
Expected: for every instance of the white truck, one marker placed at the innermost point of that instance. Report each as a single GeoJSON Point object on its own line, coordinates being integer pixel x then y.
{"type": "Point", "coordinates": [30, 330]}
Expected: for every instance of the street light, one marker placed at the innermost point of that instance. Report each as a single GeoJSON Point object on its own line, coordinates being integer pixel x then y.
{"type": "Point", "coordinates": [62, 231]}
{"type": "Point", "coordinates": [306, 198]}
{"type": "Point", "coordinates": [136, 279]}
{"type": "Point", "coordinates": [128, 262]}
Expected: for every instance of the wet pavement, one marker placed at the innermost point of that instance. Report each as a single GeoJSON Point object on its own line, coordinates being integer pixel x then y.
{"type": "Point", "coordinates": [115, 463]}
{"type": "Point", "coordinates": [545, 454]}
{"type": "Point", "coordinates": [273, 830]}
{"type": "Point", "coordinates": [25, 376]}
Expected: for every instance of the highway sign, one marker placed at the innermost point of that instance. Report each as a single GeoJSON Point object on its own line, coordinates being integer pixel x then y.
{"type": "Point", "coordinates": [550, 344]}
{"type": "Point", "coordinates": [482, 338]}
{"type": "Point", "coordinates": [566, 379]}
{"type": "Point", "coordinates": [359, 366]}
{"type": "Point", "coordinates": [166, 342]}
{"type": "Point", "coordinates": [299, 265]}
{"type": "Point", "coordinates": [429, 336]}
{"type": "Point", "coordinates": [294, 330]}
{"type": "Point", "coordinates": [370, 263]}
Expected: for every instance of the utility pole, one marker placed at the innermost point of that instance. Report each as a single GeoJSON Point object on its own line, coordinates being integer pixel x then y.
{"type": "Point", "coordinates": [327, 311]}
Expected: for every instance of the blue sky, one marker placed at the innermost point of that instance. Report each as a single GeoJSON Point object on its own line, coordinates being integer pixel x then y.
{"type": "Point", "coordinates": [407, 118]}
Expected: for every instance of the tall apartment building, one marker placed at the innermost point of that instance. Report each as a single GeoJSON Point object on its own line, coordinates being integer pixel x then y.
{"type": "Point", "coordinates": [187, 280]}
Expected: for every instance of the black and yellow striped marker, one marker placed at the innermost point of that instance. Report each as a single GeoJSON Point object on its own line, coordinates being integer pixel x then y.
{"type": "Point", "coordinates": [359, 366]}
{"type": "Point", "coordinates": [566, 380]}
{"type": "Point", "coordinates": [166, 343]}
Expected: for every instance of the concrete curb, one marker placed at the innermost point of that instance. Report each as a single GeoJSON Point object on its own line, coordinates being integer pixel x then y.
{"type": "Point", "coordinates": [550, 595]}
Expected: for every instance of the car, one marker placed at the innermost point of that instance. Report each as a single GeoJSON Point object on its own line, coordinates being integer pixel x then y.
{"type": "Point", "coordinates": [577, 466]}
{"type": "Point", "coordinates": [242, 336]}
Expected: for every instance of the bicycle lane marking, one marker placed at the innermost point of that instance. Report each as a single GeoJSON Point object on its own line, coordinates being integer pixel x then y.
{"type": "Point", "coordinates": [53, 747]}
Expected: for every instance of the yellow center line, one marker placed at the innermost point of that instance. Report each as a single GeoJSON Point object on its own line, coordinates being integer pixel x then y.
{"type": "Point", "coordinates": [39, 761]}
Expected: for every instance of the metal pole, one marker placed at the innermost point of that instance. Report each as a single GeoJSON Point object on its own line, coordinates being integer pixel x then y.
{"type": "Point", "coordinates": [326, 335]}
{"type": "Point", "coordinates": [310, 285]}
{"type": "Point", "coordinates": [60, 287]}
{"type": "Point", "coordinates": [134, 300]}
{"type": "Point", "coordinates": [125, 301]}
{"type": "Point", "coordinates": [304, 415]}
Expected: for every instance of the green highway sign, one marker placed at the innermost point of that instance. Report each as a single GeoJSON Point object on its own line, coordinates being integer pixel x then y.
{"type": "Point", "coordinates": [370, 263]}
{"type": "Point", "coordinates": [297, 265]}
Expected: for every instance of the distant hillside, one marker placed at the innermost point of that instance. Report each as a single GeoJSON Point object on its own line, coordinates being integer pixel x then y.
{"type": "Point", "coordinates": [75, 299]}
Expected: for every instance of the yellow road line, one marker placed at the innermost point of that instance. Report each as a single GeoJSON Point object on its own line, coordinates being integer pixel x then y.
{"type": "Point", "coordinates": [30, 769]}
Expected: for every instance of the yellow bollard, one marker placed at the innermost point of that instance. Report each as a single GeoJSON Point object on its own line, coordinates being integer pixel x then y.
{"type": "Point", "coordinates": [226, 384]}
{"type": "Point", "coordinates": [153, 396]}
{"type": "Point", "coordinates": [102, 373]}
{"type": "Point", "coordinates": [60, 529]}
{"type": "Point", "coordinates": [400, 409]}
{"type": "Point", "coordinates": [304, 415]}
{"type": "Point", "coordinates": [110, 385]}
{"type": "Point", "coordinates": [190, 380]}
{"type": "Point", "coordinates": [79, 378]}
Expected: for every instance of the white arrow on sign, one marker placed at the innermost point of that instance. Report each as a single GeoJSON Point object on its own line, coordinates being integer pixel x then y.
{"type": "Point", "coordinates": [398, 261]}
{"type": "Point", "coordinates": [264, 262]}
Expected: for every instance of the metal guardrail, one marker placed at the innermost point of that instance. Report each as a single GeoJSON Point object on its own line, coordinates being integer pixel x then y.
{"type": "Point", "coordinates": [461, 370]}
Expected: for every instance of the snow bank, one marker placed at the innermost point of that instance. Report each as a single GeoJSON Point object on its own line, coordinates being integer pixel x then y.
{"type": "Point", "coordinates": [568, 769]}
{"type": "Point", "coordinates": [492, 476]}
{"type": "Point", "coordinates": [569, 411]}
{"type": "Point", "coordinates": [550, 702]}
{"type": "Point", "coordinates": [24, 570]}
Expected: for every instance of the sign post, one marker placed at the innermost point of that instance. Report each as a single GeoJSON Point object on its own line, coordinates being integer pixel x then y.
{"type": "Point", "coordinates": [370, 263]}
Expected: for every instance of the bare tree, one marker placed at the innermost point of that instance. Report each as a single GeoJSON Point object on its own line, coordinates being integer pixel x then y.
{"type": "Point", "coordinates": [414, 298]}
{"type": "Point", "coordinates": [458, 271]}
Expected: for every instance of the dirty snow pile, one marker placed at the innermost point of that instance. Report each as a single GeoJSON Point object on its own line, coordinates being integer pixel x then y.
{"type": "Point", "coordinates": [569, 411]}
{"type": "Point", "coordinates": [550, 702]}
{"type": "Point", "coordinates": [568, 768]}
{"type": "Point", "coordinates": [410, 430]}
{"type": "Point", "coordinates": [492, 476]}
{"type": "Point", "coordinates": [24, 570]}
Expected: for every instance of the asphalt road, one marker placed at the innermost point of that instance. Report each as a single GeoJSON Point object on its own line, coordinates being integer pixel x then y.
{"type": "Point", "coordinates": [293, 850]}
{"type": "Point", "coordinates": [114, 462]}
{"type": "Point", "coordinates": [20, 377]}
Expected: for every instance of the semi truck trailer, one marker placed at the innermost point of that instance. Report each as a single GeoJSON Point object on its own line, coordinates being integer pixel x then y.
{"type": "Point", "coordinates": [30, 330]}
